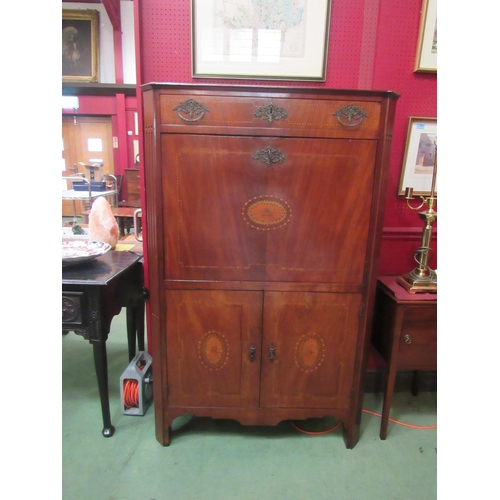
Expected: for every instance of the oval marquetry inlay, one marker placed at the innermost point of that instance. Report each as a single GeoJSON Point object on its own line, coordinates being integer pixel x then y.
{"type": "Point", "coordinates": [266, 212]}
{"type": "Point", "coordinates": [309, 352]}
{"type": "Point", "coordinates": [213, 350]}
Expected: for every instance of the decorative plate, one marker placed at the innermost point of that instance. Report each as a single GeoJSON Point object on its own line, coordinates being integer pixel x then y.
{"type": "Point", "coordinates": [78, 251]}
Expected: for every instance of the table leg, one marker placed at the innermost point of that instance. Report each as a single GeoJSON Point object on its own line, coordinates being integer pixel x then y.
{"type": "Point", "coordinates": [135, 328]}
{"type": "Point", "coordinates": [121, 226]}
{"type": "Point", "coordinates": [131, 331]}
{"type": "Point", "coordinates": [388, 393]}
{"type": "Point", "coordinates": [101, 369]}
{"type": "Point", "coordinates": [140, 325]}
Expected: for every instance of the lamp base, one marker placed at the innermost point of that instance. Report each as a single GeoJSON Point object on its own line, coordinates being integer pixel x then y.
{"type": "Point", "coordinates": [415, 284]}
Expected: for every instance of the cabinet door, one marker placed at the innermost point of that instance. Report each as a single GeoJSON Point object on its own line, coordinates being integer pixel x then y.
{"type": "Point", "coordinates": [327, 186]}
{"type": "Point", "coordinates": [206, 182]}
{"type": "Point", "coordinates": [133, 187]}
{"type": "Point", "coordinates": [213, 348]}
{"type": "Point", "coordinates": [312, 338]}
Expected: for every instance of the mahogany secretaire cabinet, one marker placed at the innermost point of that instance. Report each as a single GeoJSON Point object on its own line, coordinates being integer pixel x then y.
{"type": "Point", "coordinates": [264, 211]}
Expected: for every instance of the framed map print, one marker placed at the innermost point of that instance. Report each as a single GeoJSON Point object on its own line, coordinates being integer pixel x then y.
{"type": "Point", "coordinates": [260, 39]}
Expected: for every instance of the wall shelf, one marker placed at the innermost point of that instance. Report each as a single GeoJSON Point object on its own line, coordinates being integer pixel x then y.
{"type": "Point", "coordinates": [98, 89]}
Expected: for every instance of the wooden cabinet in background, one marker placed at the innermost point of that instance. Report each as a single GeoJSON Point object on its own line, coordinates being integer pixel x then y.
{"type": "Point", "coordinates": [264, 216]}
{"type": "Point", "coordinates": [133, 187]}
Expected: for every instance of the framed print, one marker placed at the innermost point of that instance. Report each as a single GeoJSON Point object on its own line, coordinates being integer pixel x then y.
{"type": "Point", "coordinates": [419, 156]}
{"type": "Point", "coordinates": [80, 46]}
{"type": "Point", "coordinates": [260, 39]}
{"type": "Point", "coordinates": [426, 60]}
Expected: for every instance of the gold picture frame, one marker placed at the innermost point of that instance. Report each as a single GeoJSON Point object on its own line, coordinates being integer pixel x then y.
{"type": "Point", "coordinates": [418, 160]}
{"type": "Point", "coordinates": [80, 46]}
{"type": "Point", "coordinates": [281, 40]}
{"type": "Point", "coordinates": [426, 59]}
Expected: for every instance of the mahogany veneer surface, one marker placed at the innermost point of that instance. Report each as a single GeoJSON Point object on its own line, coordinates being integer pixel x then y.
{"type": "Point", "coordinates": [264, 212]}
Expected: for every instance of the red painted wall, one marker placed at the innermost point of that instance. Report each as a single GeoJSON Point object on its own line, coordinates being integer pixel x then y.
{"type": "Point", "coordinates": [372, 46]}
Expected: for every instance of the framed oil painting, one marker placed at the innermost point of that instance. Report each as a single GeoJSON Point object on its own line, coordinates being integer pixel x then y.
{"type": "Point", "coordinates": [80, 46]}
{"type": "Point", "coordinates": [419, 156]}
{"type": "Point", "coordinates": [260, 39]}
{"type": "Point", "coordinates": [426, 60]}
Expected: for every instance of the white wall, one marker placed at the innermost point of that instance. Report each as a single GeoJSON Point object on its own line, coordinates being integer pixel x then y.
{"type": "Point", "coordinates": [128, 42]}
{"type": "Point", "coordinates": [106, 45]}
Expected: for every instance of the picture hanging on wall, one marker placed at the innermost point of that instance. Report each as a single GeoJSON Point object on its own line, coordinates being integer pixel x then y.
{"type": "Point", "coordinates": [419, 156]}
{"type": "Point", "coordinates": [80, 46]}
{"type": "Point", "coordinates": [426, 60]}
{"type": "Point", "coordinates": [260, 39]}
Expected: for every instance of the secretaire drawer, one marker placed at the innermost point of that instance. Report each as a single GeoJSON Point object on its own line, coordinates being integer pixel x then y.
{"type": "Point", "coordinates": [270, 115]}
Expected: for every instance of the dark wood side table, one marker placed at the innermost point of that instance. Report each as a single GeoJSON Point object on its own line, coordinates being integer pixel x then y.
{"type": "Point", "coordinates": [404, 333]}
{"type": "Point", "coordinates": [92, 294]}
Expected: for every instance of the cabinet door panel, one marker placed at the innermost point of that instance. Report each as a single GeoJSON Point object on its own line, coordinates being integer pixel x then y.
{"type": "Point", "coordinates": [328, 186]}
{"type": "Point", "coordinates": [206, 182]}
{"type": "Point", "coordinates": [314, 340]}
{"type": "Point", "coordinates": [209, 337]}
{"type": "Point", "coordinates": [274, 209]}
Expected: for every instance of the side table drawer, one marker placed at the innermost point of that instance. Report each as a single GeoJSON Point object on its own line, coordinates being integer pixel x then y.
{"type": "Point", "coordinates": [418, 341]}
{"type": "Point", "coordinates": [72, 307]}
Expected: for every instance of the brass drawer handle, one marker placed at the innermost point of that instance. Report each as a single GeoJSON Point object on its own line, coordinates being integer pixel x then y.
{"type": "Point", "coordinates": [271, 113]}
{"type": "Point", "coordinates": [351, 115]}
{"type": "Point", "coordinates": [272, 353]}
{"type": "Point", "coordinates": [268, 156]}
{"type": "Point", "coordinates": [253, 349]}
{"type": "Point", "coordinates": [407, 339]}
{"type": "Point", "coordinates": [193, 109]}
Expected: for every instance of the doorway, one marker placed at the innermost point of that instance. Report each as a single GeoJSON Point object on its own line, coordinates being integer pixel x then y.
{"type": "Point", "coordinates": [86, 140]}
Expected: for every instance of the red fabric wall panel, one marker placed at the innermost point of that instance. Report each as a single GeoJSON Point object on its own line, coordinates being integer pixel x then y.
{"type": "Point", "coordinates": [393, 70]}
{"type": "Point", "coordinates": [393, 64]}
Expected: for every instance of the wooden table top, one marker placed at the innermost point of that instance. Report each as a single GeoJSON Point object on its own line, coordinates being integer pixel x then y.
{"type": "Point", "coordinates": [101, 271]}
{"type": "Point", "coordinates": [392, 288]}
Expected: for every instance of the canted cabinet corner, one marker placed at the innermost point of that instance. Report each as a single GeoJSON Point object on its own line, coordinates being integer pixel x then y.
{"type": "Point", "coordinates": [263, 230]}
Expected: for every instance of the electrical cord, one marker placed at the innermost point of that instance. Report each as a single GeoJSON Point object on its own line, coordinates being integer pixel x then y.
{"type": "Point", "coordinates": [316, 433]}
{"type": "Point", "coordinates": [326, 431]}
{"type": "Point", "coordinates": [131, 392]}
{"type": "Point", "coordinates": [411, 426]}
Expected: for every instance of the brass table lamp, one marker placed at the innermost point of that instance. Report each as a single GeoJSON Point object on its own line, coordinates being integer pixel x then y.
{"type": "Point", "coordinates": [423, 278]}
